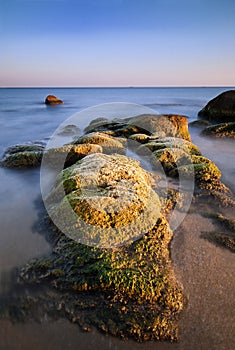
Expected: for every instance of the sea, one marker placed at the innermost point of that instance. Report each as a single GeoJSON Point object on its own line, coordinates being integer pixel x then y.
{"type": "Point", "coordinates": [25, 118]}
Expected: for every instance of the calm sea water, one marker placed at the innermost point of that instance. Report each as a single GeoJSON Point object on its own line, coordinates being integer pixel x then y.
{"type": "Point", "coordinates": [23, 118]}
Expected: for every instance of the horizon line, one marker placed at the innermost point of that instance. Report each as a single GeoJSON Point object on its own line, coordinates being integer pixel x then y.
{"type": "Point", "coordinates": [116, 87]}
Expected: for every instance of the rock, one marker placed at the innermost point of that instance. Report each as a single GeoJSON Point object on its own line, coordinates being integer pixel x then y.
{"type": "Point", "coordinates": [69, 154]}
{"type": "Point", "coordinates": [169, 142]}
{"type": "Point", "coordinates": [109, 144]}
{"type": "Point", "coordinates": [24, 148]}
{"type": "Point", "coordinates": [170, 124]}
{"type": "Point", "coordinates": [53, 100]}
{"type": "Point", "coordinates": [221, 109]}
{"type": "Point", "coordinates": [69, 130]}
{"type": "Point", "coordinates": [117, 266]}
{"type": "Point", "coordinates": [22, 160]}
{"type": "Point", "coordinates": [220, 130]}
{"type": "Point", "coordinates": [22, 156]}
{"type": "Point", "coordinates": [148, 124]}
{"type": "Point", "coordinates": [170, 158]}
{"type": "Point", "coordinates": [206, 173]}
{"type": "Point", "coordinates": [140, 138]}
{"type": "Point", "coordinates": [107, 192]}
{"type": "Point", "coordinates": [200, 123]}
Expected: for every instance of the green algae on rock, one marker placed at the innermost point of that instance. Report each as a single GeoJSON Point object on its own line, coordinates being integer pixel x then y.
{"type": "Point", "coordinates": [22, 160]}
{"type": "Point", "coordinates": [220, 130]}
{"type": "Point", "coordinates": [109, 144]}
{"type": "Point", "coordinates": [105, 200]}
{"type": "Point", "coordinates": [148, 124]}
{"type": "Point", "coordinates": [129, 291]}
{"type": "Point", "coordinates": [23, 156]}
{"type": "Point", "coordinates": [170, 142]}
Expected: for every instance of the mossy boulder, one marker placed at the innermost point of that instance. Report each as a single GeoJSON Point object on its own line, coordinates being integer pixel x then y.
{"type": "Point", "coordinates": [220, 130]}
{"type": "Point", "coordinates": [69, 154]}
{"type": "Point", "coordinates": [220, 109]}
{"type": "Point", "coordinates": [22, 156]}
{"type": "Point", "coordinates": [128, 292]}
{"type": "Point", "coordinates": [170, 158]}
{"type": "Point", "coordinates": [53, 100]}
{"type": "Point", "coordinates": [109, 144]}
{"type": "Point", "coordinates": [169, 142]}
{"type": "Point", "coordinates": [203, 169]}
{"type": "Point", "coordinates": [171, 124]}
{"type": "Point", "coordinates": [148, 124]}
{"type": "Point", "coordinates": [105, 200]}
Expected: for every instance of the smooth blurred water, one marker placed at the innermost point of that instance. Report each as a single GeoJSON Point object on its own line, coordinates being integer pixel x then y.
{"type": "Point", "coordinates": [24, 117]}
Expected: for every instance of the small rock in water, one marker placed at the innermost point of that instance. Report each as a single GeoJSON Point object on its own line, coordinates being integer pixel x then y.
{"type": "Point", "coordinates": [53, 100]}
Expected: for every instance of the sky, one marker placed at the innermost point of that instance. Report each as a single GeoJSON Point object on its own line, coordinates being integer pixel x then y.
{"type": "Point", "coordinates": [117, 43]}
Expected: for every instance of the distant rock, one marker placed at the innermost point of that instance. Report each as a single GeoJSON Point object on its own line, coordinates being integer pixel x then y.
{"type": "Point", "coordinates": [53, 100]}
{"type": "Point", "coordinates": [221, 109]}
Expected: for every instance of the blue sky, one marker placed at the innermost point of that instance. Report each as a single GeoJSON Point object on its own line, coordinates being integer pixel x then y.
{"type": "Point", "coordinates": [117, 42]}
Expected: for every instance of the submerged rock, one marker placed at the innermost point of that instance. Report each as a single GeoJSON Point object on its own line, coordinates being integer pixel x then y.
{"type": "Point", "coordinates": [220, 130]}
{"type": "Point", "coordinates": [221, 108]}
{"type": "Point", "coordinates": [53, 100]}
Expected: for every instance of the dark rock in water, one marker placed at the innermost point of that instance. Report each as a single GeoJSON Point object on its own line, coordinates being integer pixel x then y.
{"type": "Point", "coordinates": [220, 130]}
{"type": "Point", "coordinates": [221, 109]}
{"type": "Point", "coordinates": [53, 100]}
{"type": "Point", "coordinates": [22, 160]}
{"type": "Point", "coordinates": [200, 123]}
{"type": "Point", "coordinates": [69, 130]}
{"type": "Point", "coordinates": [23, 156]}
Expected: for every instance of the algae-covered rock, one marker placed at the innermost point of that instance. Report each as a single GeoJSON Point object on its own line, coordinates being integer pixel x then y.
{"type": "Point", "coordinates": [220, 130]}
{"type": "Point", "coordinates": [204, 170]}
{"type": "Point", "coordinates": [148, 124]}
{"type": "Point", "coordinates": [220, 109]}
{"type": "Point", "coordinates": [109, 200]}
{"type": "Point", "coordinates": [170, 158]}
{"type": "Point", "coordinates": [170, 142]}
{"type": "Point", "coordinates": [170, 124]}
{"type": "Point", "coordinates": [109, 144]}
{"type": "Point", "coordinates": [69, 154]}
{"type": "Point", "coordinates": [23, 156]}
{"type": "Point", "coordinates": [22, 160]}
{"type": "Point", "coordinates": [129, 291]}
